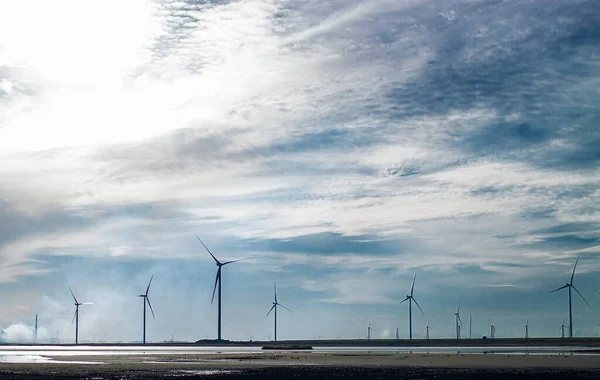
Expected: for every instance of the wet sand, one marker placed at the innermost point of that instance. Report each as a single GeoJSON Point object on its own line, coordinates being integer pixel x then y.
{"type": "Point", "coordinates": [301, 365]}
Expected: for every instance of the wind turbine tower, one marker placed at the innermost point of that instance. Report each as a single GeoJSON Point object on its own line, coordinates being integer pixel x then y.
{"type": "Point", "coordinates": [493, 330]}
{"type": "Point", "coordinates": [458, 321]}
{"type": "Point", "coordinates": [569, 285]}
{"type": "Point", "coordinates": [397, 334]}
{"type": "Point", "coordinates": [146, 300]}
{"type": "Point", "coordinates": [527, 329]}
{"type": "Point", "coordinates": [35, 331]}
{"type": "Point", "coordinates": [274, 307]}
{"type": "Point", "coordinates": [562, 329]}
{"type": "Point", "coordinates": [369, 331]}
{"type": "Point", "coordinates": [410, 300]}
{"type": "Point", "coordinates": [218, 281]}
{"type": "Point", "coordinates": [427, 328]}
{"type": "Point", "coordinates": [470, 326]}
{"type": "Point", "coordinates": [76, 316]}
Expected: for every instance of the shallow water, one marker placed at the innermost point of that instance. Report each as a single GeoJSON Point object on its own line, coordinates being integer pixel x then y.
{"type": "Point", "coordinates": [42, 354]}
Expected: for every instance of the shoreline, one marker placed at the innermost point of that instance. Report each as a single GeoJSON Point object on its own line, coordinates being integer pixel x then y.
{"type": "Point", "coordinates": [497, 342]}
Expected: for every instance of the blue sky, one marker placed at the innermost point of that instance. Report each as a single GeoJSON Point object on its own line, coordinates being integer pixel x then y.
{"type": "Point", "coordinates": [344, 144]}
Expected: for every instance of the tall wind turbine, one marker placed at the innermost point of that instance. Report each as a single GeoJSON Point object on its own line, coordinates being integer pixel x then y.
{"type": "Point", "coordinates": [458, 321]}
{"type": "Point", "coordinates": [145, 299]}
{"type": "Point", "coordinates": [493, 330]}
{"type": "Point", "coordinates": [410, 300]}
{"type": "Point", "coordinates": [220, 265]}
{"type": "Point", "coordinates": [274, 307]}
{"type": "Point", "coordinates": [569, 285]}
{"type": "Point", "coordinates": [76, 316]}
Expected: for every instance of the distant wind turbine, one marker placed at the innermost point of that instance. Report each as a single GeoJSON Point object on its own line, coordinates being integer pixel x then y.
{"type": "Point", "coordinates": [562, 329]}
{"type": "Point", "coordinates": [369, 331]}
{"type": "Point", "coordinates": [427, 328]}
{"type": "Point", "coordinates": [527, 329]}
{"type": "Point", "coordinates": [2, 332]}
{"type": "Point", "coordinates": [274, 307]}
{"type": "Point", "coordinates": [145, 299]}
{"type": "Point", "coordinates": [410, 300]}
{"type": "Point", "coordinates": [470, 326]}
{"type": "Point", "coordinates": [458, 321]}
{"type": "Point", "coordinates": [76, 316]}
{"type": "Point", "coordinates": [220, 265]}
{"type": "Point", "coordinates": [493, 330]}
{"type": "Point", "coordinates": [569, 285]}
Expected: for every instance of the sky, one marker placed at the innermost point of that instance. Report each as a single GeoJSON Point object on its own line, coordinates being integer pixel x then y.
{"type": "Point", "coordinates": [344, 145]}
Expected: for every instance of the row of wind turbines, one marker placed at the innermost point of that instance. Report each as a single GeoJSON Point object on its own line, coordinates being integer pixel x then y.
{"type": "Point", "coordinates": [458, 323]}
{"type": "Point", "coordinates": [410, 298]}
{"type": "Point", "coordinates": [218, 279]}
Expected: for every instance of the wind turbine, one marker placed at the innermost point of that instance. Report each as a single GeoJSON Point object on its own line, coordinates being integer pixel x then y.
{"type": "Point", "coordinates": [458, 321]}
{"type": "Point", "coordinates": [527, 329]}
{"type": "Point", "coordinates": [569, 285]}
{"type": "Point", "coordinates": [76, 316]}
{"type": "Point", "coordinates": [220, 265]}
{"type": "Point", "coordinates": [369, 331]}
{"type": "Point", "coordinates": [410, 300]}
{"type": "Point", "coordinates": [427, 328]}
{"type": "Point", "coordinates": [145, 299]}
{"type": "Point", "coordinates": [493, 330]}
{"type": "Point", "coordinates": [562, 329]}
{"type": "Point", "coordinates": [274, 307]}
{"type": "Point", "coordinates": [2, 332]}
{"type": "Point", "coordinates": [397, 334]}
{"type": "Point", "coordinates": [470, 326]}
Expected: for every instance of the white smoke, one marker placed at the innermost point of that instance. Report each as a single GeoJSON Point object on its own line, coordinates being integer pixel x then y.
{"type": "Point", "coordinates": [20, 332]}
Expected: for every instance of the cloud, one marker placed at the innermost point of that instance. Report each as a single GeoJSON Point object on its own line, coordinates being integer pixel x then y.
{"type": "Point", "coordinates": [344, 144]}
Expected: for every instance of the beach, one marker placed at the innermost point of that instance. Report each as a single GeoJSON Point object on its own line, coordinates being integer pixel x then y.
{"type": "Point", "coordinates": [308, 365]}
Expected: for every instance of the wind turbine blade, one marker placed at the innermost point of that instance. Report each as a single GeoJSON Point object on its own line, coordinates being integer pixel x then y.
{"type": "Point", "coordinates": [217, 278]}
{"type": "Point", "coordinates": [404, 300]}
{"type": "Point", "coordinates": [270, 310]}
{"type": "Point", "coordinates": [149, 304]}
{"type": "Point", "coordinates": [74, 315]}
{"type": "Point", "coordinates": [580, 295]}
{"type": "Point", "coordinates": [458, 310]}
{"type": "Point", "coordinates": [73, 295]}
{"type": "Point", "coordinates": [573, 274]}
{"type": "Point", "coordinates": [416, 303]}
{"type": "Point", "coordinates": [150, 283]}
{"type": "Point", "coordinates": [86, 303]}
{"type": "Point", "coordinates": [285, 308]}
{"type": "Point", "coordinates": [459, 320]}
{"type": "Point", "coordinates": [412, 288]}
{"type": "Point", "coordinates": [213, 256]}
{"type": "Point", "coordinates": [593, 287]}
{"type": "Point", "coordinates": [275, 290]}
{"type": "Point", "coordinates": [235, 261]}
{"type": "Point", "coordinates": [562, 287]}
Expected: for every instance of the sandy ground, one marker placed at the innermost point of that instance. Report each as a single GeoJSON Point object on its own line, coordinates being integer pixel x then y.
{"type": "Point", "coordinates": [310, 365]}
{"type": "Point", "coordinates": [352, 359]}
